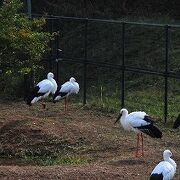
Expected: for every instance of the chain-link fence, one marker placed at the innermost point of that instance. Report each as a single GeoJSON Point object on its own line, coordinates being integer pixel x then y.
{"type": "Point", "coordinates": [117, 64]}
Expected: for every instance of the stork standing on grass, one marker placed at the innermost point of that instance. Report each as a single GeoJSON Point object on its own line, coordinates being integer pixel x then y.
{"type": "Point", "coordinates": [139, 122]}
{"type": "Point", "coordinates": [166, 169]}
{"type": "Point", "coordinates": [42, 90]}
{"type": "Point", "coordinates": [63, 91]}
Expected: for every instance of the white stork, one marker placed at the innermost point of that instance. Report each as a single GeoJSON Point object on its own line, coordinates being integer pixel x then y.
{"type": "Point", "coordinates": [166, 169]}
{"type": "Point", "coordinates": [139, 122]}
{"type": "Point", "coordinates": [63, 91]}
{"type": "Point", "coordinates": [42, 90]}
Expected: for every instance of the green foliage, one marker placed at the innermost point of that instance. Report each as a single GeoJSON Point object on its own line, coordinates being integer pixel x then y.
{"type": "Point", "coordinates": [12, 86]}
{"type": "Point", "coordinates": [22, 43]}
{"type": "Point", "coordinates": [56, 160]}
{"type": "Point", "coordinates": [22, 39]}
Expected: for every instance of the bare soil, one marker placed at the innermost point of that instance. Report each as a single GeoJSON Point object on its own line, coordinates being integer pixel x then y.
{"type": "Point", "coordinates": [108, 151]}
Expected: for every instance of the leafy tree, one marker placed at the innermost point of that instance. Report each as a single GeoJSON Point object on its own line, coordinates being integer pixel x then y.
{"type": "Point", "coordinates": [22, 41]}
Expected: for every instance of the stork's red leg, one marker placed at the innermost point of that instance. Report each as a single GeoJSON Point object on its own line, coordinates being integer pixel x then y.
{"type": "Point", "coordinates": [43, 106]}
{"type": "Point", "coordinates": [142, 145]}
{"type": "Point", "coordinates": [137, 148]}
{"type": "Point", "coordinates": [44, 109]}
{"type": "Point", "coordinates": [65, 101]}
{"type": "Point", "coordinates": [66, 104]}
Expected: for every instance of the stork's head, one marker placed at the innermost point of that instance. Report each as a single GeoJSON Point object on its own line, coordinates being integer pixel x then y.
{"type": "Point", "coordinates": [167, 154]}
{"type": "Point", "coordinates": [123, 112]}
{"type": "Point", "coordinates": [72, 79]}
{"type": "Point", "coordinates": [50, 75]}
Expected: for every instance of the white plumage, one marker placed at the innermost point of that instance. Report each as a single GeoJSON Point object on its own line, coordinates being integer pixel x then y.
{"type": "Point", "coordinates": [166, 169]}
{"type": "Point", "coordinates": [42, 89]}
{"type": "Point", "coordinates": [139, 122]}
{"type": "Point", "coordinates": [63, 91]}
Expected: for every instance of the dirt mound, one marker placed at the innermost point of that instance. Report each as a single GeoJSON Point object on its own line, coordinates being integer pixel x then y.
{"type": "Point", "coordinates": [36, 136]}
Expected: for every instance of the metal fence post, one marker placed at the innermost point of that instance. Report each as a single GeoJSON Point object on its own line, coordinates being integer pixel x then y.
{"type": "Point", "coordinates": [58, 56]}
{"type": "Point", "coordinates": [28, 83]}
{"type": "Point", "coordinates": [123, 63]}
{"type": "Point", "coordinates": [26, 86]}
{"type": "Point", "coordinates": [85, 59]}
{"type": "Point", "coordinates": [166, 73]}
{"type": "Point", "coordinates": [85, 8]}
{"type": "Point", "coordinates": [51, 45]}
{"type": "Point", "coordinates": [29, 8]}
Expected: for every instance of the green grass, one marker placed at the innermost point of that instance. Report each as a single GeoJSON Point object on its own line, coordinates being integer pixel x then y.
{"type": "Point", "coordinates": [150, 100]}
{"type": "Point", "coordinates": [56, 160]}
{"type": "Point", "coordinates": [46, 160]}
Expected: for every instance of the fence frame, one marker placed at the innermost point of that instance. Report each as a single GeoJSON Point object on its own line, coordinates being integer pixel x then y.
{"type": "Point", "coordinates": [123, 67]}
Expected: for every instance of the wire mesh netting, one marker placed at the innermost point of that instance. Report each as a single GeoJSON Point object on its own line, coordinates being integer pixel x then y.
{"type": "Point", "coordinates": [116, 63]}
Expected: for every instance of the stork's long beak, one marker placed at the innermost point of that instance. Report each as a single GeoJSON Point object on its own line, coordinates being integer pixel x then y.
{"type": "Point", "coordinates": [118, 118]}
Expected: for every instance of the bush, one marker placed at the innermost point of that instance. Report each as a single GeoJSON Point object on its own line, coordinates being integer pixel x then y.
{"type": "Point", "coordinates": [22, 42]}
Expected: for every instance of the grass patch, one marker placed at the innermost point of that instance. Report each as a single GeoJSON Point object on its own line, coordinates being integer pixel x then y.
{"type": "Point", "coordinates": [55, 160]}
{"type": "Point", "coordinates": [150, 100]}
{"type": "Point", "coordinates": [44, 160]}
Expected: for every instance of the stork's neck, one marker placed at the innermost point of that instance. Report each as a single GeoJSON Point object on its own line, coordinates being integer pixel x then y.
{"type": "Point", "coordinates": [51, 79]}
{"type": "Point", "coordinates": [171, 161]}
{"type": "Point", "coordinates": [54, 83]}
{"type": "Point", "coordinates": [123, 119]}
{"type": "Point", "coordinates": [73, 82]}
{"type": "Point", "coordinates": [125, 114]}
